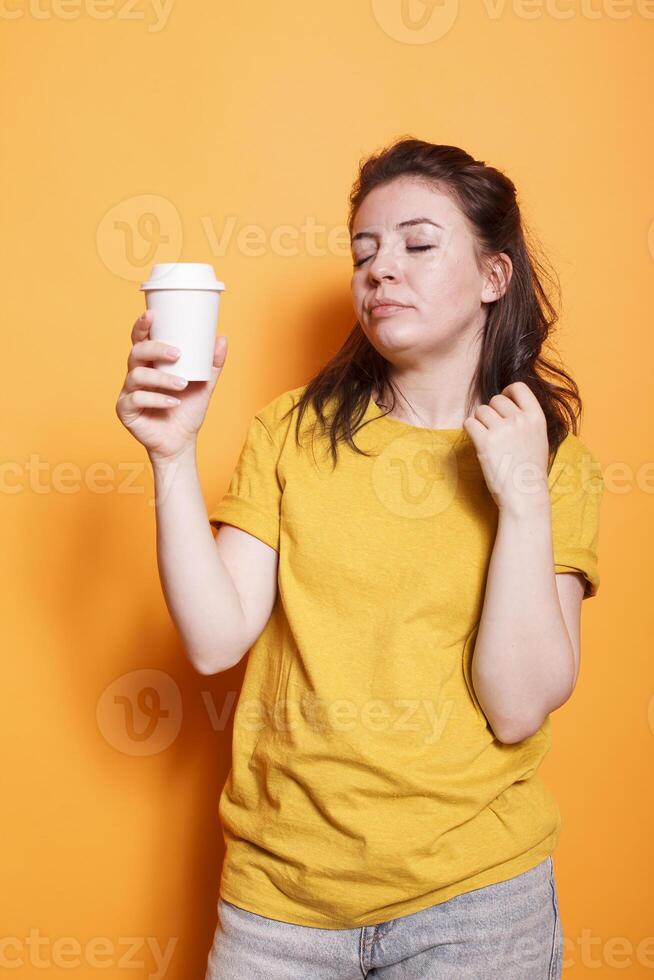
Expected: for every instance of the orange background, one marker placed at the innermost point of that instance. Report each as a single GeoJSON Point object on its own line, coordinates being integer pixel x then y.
{"type": "Point", "coordinates": [130, 140]}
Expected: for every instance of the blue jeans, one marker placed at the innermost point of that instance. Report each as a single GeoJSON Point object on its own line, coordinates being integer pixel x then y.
{"type": "Point", "coordinates": [507, 931]}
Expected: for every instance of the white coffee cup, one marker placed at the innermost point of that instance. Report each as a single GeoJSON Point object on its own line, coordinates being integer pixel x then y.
{"type": "Point", "coordinates": [185, 299]}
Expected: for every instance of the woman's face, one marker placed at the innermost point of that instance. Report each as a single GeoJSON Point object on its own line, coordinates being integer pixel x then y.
{"type": "Point", "coordinates": [412, 245]}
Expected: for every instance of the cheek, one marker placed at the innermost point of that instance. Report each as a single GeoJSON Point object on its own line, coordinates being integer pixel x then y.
{"type": "Point", "coordinates": [358, 295]}
{"type": "Point", "coordinates": [450, 284]}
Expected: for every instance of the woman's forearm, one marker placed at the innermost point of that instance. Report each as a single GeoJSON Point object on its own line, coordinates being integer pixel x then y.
{"type": "Point", "coordinates": [199, 591]}
{"type": "Point", "coordinates": [523, 662]}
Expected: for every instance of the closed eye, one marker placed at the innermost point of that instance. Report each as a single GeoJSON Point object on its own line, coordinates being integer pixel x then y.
{"type": "Point", "coordinates": [409, 248]}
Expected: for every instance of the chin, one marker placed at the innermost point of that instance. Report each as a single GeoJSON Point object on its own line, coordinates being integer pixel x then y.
{"type": "Point", "coordinates": [390, 333]}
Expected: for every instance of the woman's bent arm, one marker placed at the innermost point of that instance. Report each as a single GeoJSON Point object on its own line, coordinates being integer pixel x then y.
{"type": "Point", "coordinates": [523, 665]}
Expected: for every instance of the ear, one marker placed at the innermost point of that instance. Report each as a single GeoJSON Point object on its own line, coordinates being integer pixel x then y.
{"type": "Point", "coordinates": [497, 278]}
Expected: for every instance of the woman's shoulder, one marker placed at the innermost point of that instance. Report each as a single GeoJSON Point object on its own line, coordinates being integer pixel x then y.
{"type": "Point", "coordinates": [277, 414]}
{"type": "Point", "coordinates": [574, 455]}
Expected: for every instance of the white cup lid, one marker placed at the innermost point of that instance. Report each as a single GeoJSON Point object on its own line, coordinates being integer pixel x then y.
{"type": "Point", "coordinates": [182, 275]}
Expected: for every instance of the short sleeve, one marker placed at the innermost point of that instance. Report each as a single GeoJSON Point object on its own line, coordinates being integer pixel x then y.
{"type": "Point", "coordinates": [253, 498]}
{"type": "Point", "coordinates": [576, 493]}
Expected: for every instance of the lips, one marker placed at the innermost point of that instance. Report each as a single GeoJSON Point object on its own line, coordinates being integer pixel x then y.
{"type": "Point", "coordinates": [387, 302]}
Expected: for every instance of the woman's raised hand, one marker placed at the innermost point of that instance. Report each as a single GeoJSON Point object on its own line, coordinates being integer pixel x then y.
{"type": "Point", "coordinates": [165, 429]}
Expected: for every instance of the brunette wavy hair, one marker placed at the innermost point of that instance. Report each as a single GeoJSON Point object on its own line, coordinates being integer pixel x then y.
{"type": "Point", "coordinates": [517, 323]}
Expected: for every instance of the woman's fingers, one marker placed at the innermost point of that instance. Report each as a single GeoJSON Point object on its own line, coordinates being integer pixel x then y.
{"type": "Point", "coordinates": [147, 377]}
{"type": "Point", "coordinates": [141, 328]}
{"type": "Point", "coordinates": [220, 351]}
{"type": "Point", "coordinates": [145, 351]}
{"type": "Point", "coordinates": [143, 348]}
{"type": "Point", "coordinates": [149, 399]}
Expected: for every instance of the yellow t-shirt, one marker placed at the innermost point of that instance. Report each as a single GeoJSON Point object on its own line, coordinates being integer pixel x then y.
{"type": "Point", "coordinates": [366, 782]}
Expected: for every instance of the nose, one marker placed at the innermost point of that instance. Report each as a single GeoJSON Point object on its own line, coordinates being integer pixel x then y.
{"type": "Point", "coordinates": [383, 265]}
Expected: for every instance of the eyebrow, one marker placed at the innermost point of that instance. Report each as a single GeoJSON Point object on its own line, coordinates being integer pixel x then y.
{"type": "Point", "coordinates": [402, 224]}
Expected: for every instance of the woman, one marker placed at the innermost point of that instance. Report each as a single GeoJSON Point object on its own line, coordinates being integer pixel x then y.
{"type": "Point", "coordinates": [403, 548]}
